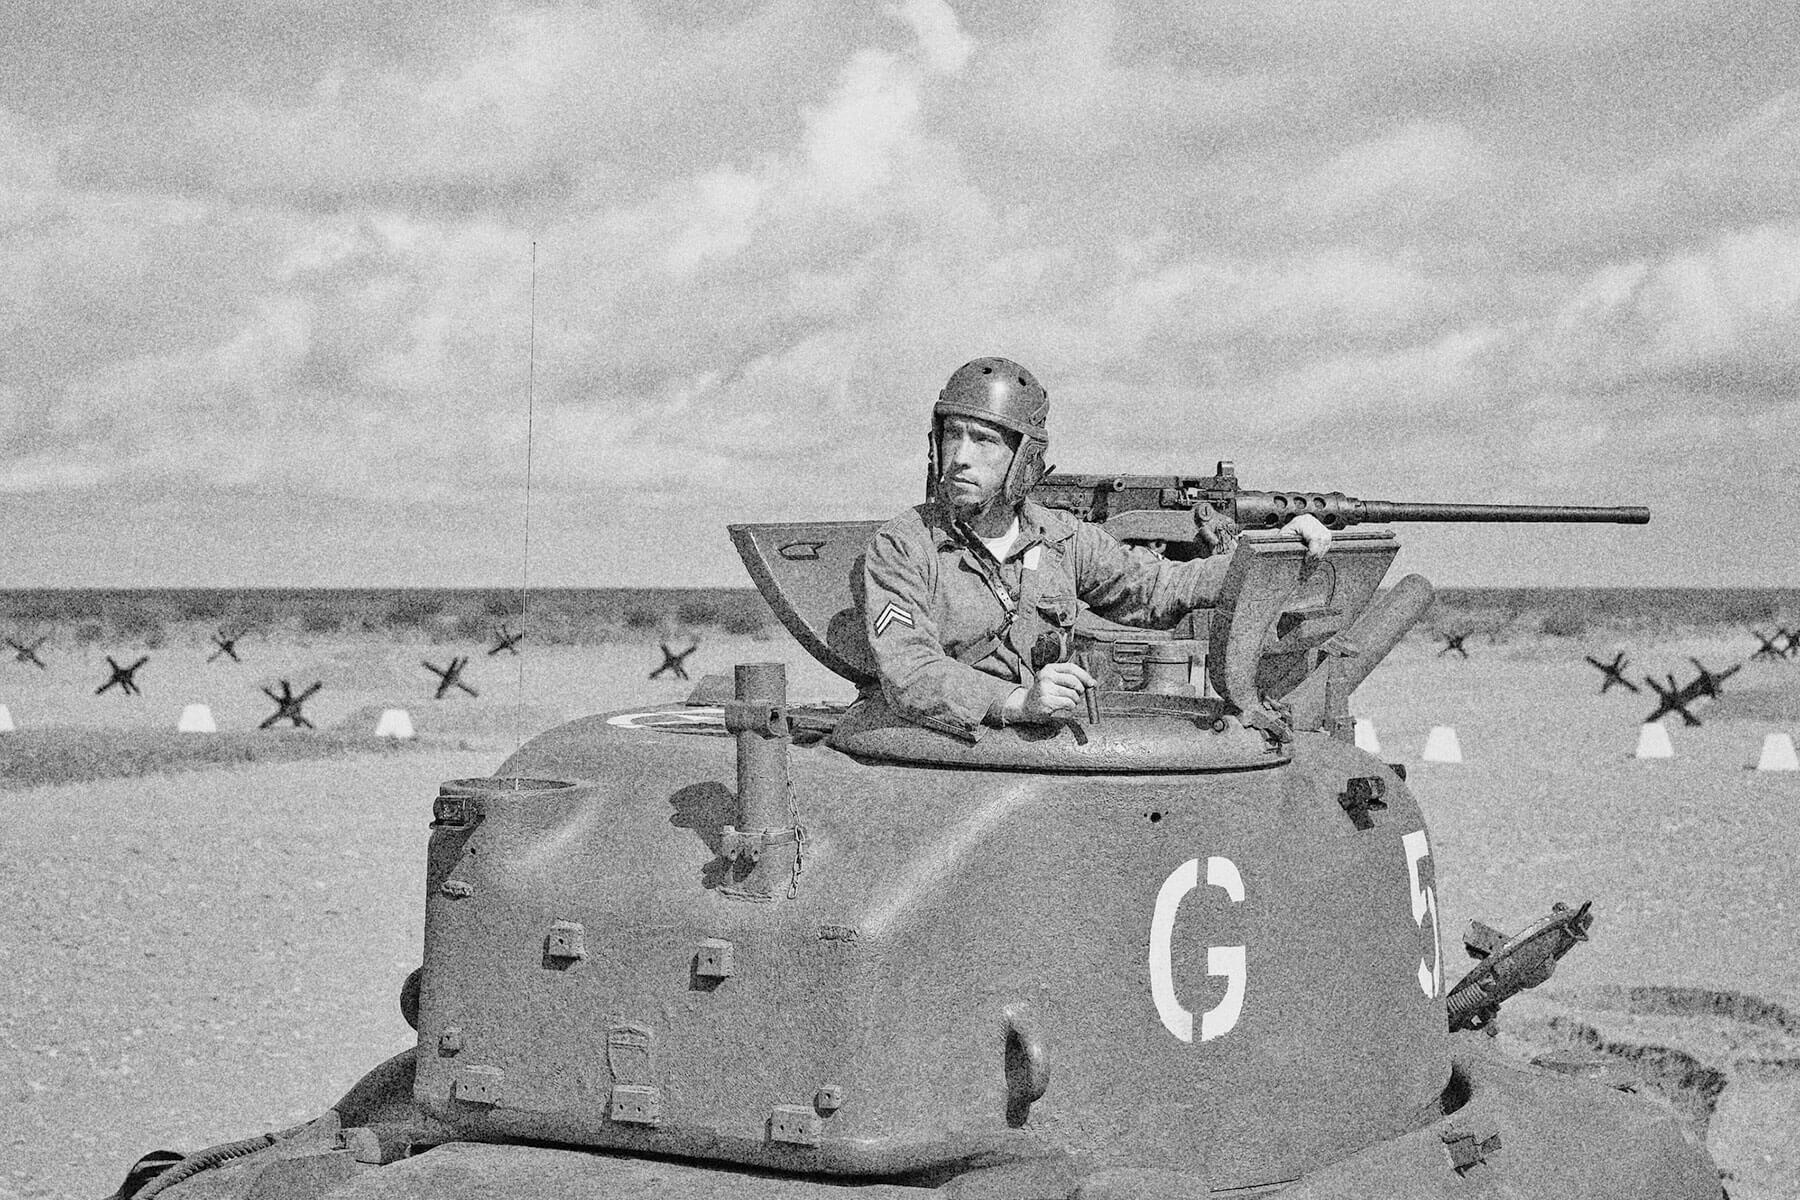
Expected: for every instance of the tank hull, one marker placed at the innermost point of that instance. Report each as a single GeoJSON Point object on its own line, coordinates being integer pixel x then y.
{"type": "Point", "coordinates": [984, 983]}
{"type": "Point", "coordinates": [1558, 1138]}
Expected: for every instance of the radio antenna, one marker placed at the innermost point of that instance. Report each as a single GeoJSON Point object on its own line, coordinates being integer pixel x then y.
{"type": "Point", "coordinates": [525, 565]}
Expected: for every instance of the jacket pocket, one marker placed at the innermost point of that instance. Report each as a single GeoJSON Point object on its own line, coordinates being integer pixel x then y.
{"type": "Point", "coordinates": [1057, 609]}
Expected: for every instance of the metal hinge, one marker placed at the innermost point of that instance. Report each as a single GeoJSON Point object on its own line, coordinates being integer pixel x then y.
{"type": "Point", "coordinates": [1466, 1150]}
{"type": "Point", "coordinates": [565, 942]}
{"type": "Point", "coordinates": [457, 812]}
{"type": "Point", "coordinates": [479, 1085]}
{"type": "Point", "coordinates": [634, 1104]}
{"type": "Point", "coordinates": [1361, 796]}
{"type": "Point", "coordinates": [713, 959]}
{"type": "Point", "coordinates": [795, 1125]}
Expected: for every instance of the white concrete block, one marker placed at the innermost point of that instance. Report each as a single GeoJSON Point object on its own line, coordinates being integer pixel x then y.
{"type": "Point", "coordinates": [1441, 746]}
{"type": "Point", "coordinates": [1653, 741]}
{"type": "Point", "coordinates": [1778, 754]}
{"type": "Point", "coordinates": [394, 723]}
{"type": "Point", "coordinates": [196, 718]}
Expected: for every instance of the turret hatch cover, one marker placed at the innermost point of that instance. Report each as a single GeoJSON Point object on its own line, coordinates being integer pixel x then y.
{"type": "Point", "coordinates": [810, 573]}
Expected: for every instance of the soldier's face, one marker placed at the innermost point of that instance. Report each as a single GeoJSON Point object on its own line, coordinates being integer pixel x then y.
{"type": "Point", "coordinates": [973, 457]}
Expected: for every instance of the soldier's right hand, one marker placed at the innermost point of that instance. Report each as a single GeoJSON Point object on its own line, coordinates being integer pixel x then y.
{"type": "Point", "coordinates": [1055, 692]}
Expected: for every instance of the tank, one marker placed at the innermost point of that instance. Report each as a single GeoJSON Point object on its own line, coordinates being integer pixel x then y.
{"type": "Point", "coordinates": [1183, 945]}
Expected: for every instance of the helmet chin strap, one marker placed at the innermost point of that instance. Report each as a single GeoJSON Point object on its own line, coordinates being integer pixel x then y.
{"type": "Point", "coordinates": [1000, 505]}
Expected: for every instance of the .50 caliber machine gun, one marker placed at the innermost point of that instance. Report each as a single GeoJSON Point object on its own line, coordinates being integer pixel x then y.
{"type": "Point", "coordinates": [1208, 510]}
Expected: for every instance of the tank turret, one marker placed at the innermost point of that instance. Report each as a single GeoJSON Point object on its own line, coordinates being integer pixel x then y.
{"type": "Point", "coordinates": [1184, 944]}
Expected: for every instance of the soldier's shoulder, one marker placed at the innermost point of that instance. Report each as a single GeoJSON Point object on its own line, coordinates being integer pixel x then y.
{"type": "Point", "coordinates": [915, 526]}
{"type": "Point", "coordinates": [1058, 525]}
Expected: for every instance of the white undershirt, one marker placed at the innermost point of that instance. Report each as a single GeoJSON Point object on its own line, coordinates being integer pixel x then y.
{"type": "Point", "coordinates": [1000, 546]}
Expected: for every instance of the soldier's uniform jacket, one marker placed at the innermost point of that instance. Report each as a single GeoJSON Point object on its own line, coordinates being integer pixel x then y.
{"type": "Point", "coordinates": [953, 631]}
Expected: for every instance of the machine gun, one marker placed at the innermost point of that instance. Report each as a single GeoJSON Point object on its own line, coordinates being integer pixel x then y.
{"type": "Point", "coordinates": [1207, 511]}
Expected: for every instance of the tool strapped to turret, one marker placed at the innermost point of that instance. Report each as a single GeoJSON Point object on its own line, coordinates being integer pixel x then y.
{"type": "Point", "coordinates": [1510, 965]}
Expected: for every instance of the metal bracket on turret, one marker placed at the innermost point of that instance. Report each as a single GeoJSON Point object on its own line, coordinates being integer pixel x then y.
{"type": "Point", "coordinates": [764, 720]}
{"type": "Point", "coordinates": [1268, 724]}
{"type": "Point", "coordinates": [1337, 651]}
{"type": "Point", "coordinates": [1288, 641]}
{"type": "Point", "coordinates": [746, 845]}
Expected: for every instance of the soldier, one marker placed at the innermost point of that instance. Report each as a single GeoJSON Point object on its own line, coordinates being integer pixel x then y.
{"type": "Point", "coordinates": [969, 598]}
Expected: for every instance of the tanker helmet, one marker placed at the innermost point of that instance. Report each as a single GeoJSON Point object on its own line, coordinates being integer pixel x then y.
{"type": "Point", "coordinates": [999, 391]}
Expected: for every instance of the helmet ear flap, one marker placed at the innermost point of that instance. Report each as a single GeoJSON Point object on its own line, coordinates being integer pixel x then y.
{"type": "Point", "coordinates": [1026, 470]}
{"type": "Point", "coordinates": [931, 458]}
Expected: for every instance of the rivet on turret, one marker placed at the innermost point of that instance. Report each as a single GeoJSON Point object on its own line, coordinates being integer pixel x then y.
{"type": "Point", "coordinates": [479, 1085]}
{"type": "Point", "coordinates": [565, 943]}
{"type": "Point", "coordinates": [713, 959]}
{"type": "Point", "coordinates": [794, 1125]}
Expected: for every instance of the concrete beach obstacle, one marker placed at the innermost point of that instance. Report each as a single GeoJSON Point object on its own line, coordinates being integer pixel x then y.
{"type": "Point", "coordinates": [1653, 741]}
{"type": "Point", "coordinates": [6, 721]}
{"type": "Point", "coordinates": [1365, 736]}
{"type": "Point", "coordinates": [1441, 746]}
{"type": "Point", "coordinates": [196, 718]}
{"type": "Point", "coordinates": [394, 723]}
{"type": "Point", "coordinates": [1777, 754]}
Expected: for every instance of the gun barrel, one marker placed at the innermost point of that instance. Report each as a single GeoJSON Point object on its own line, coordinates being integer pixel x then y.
{"type": "Point", "coordinates": [1271, 510]}
{"type": "Point", "coordinates": [1391, 510]}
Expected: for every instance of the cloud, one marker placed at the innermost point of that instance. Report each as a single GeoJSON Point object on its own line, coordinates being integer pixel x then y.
{"type": "Point", "coordinates": [1424, 178]}
{"type": "Point", "coordinates": [851, 143]}
{"type": "Point", "coordinates": [941, 39]}
{"type": "Point", "coordinates": [27, 168]}
{"type": "Point", "coordinates": [1745, 175]}
{"type": "Point", "coordinates": [764, 234]}
{"type": "Point", "coordinates": [468, 108]}
{"type": "Point", "coordinates": [1716, 319]}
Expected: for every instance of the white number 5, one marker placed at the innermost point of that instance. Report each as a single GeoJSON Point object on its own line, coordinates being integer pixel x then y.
{"type": "Point", "coordinates": [1424, 901]}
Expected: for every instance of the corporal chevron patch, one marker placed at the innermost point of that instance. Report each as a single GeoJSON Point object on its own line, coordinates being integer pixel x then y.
{"type": "Point", "coordinates": [893, 614]}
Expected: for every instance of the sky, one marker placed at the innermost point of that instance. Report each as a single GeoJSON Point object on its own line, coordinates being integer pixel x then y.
{"type": "Point", "coordinates": [464, 293]}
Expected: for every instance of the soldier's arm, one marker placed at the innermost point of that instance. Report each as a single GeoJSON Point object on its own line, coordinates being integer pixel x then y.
{"type": "Point", "coordinates": [1138, 587]}
{"type": "Point", "coordinates": [918, 679]}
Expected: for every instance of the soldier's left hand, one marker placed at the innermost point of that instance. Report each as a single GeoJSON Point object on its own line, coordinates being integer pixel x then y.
{"type": "Point", "coordinates": [1312, 531]}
